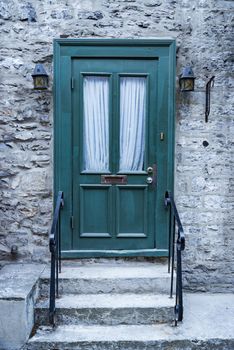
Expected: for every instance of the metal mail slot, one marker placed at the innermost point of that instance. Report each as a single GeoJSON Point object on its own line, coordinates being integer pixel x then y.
{"type": "Point", "coordinates": [114, 179]}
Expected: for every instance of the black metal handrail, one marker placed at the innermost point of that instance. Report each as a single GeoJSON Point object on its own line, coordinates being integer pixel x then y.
{"type": "Point", "coordinates": [55, 250]}
{"type": "Point", "coordinates": [179, 242]}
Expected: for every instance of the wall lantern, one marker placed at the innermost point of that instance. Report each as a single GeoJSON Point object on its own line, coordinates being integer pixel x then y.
{"type": "Point", "coordinates": [186, 79]}
{"type": "Point", "coordinates": [40, 77]}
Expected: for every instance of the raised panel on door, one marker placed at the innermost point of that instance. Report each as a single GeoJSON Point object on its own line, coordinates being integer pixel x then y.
{"type": "Point", "coordinates": [95, 211]}
{"type": "Point", "coordinates": [132, 211]}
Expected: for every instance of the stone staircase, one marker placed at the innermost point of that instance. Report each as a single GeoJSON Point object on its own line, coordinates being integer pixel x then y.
{"type": "Point", "coordinates": [102, 305]}
{"type": "Point", "coordinates": [119, 305]}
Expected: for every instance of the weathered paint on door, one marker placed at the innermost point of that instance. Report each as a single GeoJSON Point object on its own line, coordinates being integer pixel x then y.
{"type": "Point", "coordinates": [102, 216]}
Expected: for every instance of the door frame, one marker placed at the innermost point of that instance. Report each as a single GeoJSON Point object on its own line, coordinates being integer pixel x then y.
{"type": "Point", "coordinates": [64, 50]}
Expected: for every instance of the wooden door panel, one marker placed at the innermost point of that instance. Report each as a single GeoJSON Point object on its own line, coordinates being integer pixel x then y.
{"type": "Point", "coordinates": [131, 211]}
{"type": "Point", "coordinates": [95, 211]}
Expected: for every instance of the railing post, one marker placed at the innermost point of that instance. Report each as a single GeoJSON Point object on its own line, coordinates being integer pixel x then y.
{"type": "Point", "coordinates": [173, 257]}
{"type": "Point", "coordinates": [169, 242]}
{"type": "Point", "coordinates": [174, 222]}
{"type": "Point", "coordinates": [57, 262]}
{"type": "Point", "coordinates": [59, 245]}
{"type": "Point", "coordinates": [180, 286]}
{"type": "Point", "coordinates": [52, 286]}
{"type": "Point", "coordinates": [55, 249]}
{"type": "Point", "coordinates": [168, 204]}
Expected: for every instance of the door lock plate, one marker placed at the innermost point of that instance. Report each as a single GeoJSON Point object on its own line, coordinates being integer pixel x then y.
{"type": "Point", "coordinates": [152, 174]}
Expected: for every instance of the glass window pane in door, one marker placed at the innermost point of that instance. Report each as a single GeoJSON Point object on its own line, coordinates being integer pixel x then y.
{"type": "Point", "coordinates": [96, 123]}
{"type": "Point", "coordinates": [132, 123]}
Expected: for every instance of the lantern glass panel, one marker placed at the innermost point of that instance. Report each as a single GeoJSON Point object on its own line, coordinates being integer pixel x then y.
{"type": "Point", "coordinates": [40, 82]}
{"type": "Point", "coordinates": [187, 84]}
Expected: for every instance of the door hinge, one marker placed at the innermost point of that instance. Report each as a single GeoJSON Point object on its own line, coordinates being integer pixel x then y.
{"type": "Point", "coordinates": [72, 222]}
{"type": "Point", "coordinates": [72, 82]}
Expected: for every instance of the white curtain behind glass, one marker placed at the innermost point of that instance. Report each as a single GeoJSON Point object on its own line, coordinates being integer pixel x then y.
{"type": "Point", "coordinates": [132, 123]}
{"type": "Point", "coordinates": [96, 123]}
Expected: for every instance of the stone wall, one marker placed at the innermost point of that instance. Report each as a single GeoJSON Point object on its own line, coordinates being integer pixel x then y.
{"type": "Point", "coordinates": [204, 172]}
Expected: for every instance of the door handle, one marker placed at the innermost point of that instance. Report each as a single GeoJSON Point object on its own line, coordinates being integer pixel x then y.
{"type": "Point", "coordinates": [150, 170]}
{"type": "Point", "coordinates": [151, 178]}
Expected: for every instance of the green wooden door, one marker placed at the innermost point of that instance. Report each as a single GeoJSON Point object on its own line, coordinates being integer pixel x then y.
{"type": "Point", "coordinates": [108, 214]}
{"type": "Point", "coordinates": [118, 151]}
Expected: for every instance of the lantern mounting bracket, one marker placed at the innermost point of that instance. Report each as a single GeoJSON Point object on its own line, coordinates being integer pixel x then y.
{"type": "Point", "coordinates": [209, 84]}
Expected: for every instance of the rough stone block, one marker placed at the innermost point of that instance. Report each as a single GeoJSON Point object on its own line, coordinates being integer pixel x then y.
{"type": "Point", "coordinates": [18, 291]}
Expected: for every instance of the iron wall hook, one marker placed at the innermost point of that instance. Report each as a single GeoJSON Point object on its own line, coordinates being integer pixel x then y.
{"type": "Point", "coordinates": [209, 84]}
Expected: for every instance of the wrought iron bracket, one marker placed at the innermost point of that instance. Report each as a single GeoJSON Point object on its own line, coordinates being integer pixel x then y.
{"type": "Point", "coordinates": [209, 84]}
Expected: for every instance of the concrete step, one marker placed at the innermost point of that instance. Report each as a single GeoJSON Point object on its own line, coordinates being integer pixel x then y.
{"type": "Point", "coordinates": [124, 277]}
{"type": "Point", "coordinates": [137, 337]}
{"type": "Point", "coordinates": [108, 309]}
